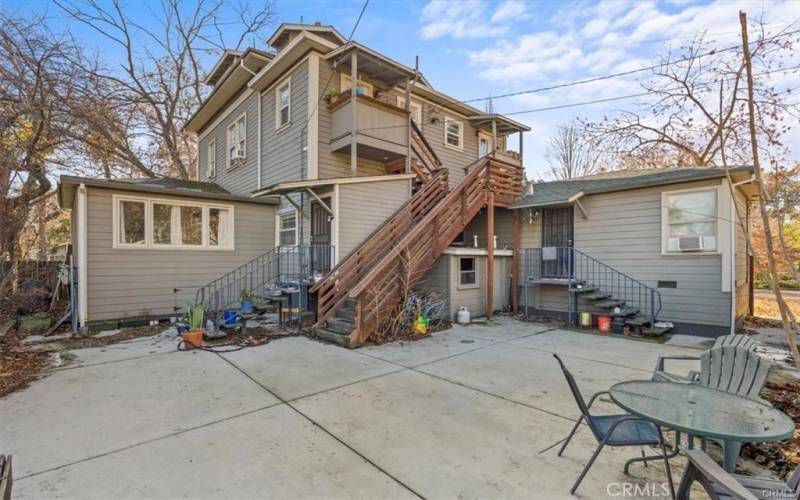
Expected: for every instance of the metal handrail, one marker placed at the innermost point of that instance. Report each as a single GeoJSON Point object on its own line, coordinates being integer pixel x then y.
{"type": "Point", "coordinates": [573, 265]}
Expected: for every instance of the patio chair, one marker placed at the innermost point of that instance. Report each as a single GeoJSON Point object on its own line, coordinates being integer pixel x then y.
{"type": "Point", "coordinates": [660, 373]}
{"type": "Point", "coordinates": [612, 430]}
{"type": "Point", "coordinates": [6, 479]}
{"type": "Point", "coordinates": [719, 485]}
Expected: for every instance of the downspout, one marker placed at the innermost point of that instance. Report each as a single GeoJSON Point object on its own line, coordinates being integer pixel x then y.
{"type": "Point", "coordinates": [258, 132]}
{"type": "Point", "coordinates": [83, 260]}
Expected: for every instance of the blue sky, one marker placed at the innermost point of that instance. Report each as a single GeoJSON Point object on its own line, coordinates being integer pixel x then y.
{"type": "Point", "coordinates": [475, 48]}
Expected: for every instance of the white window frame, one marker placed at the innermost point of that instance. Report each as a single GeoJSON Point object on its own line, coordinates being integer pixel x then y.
{"type": "Point", "coordinates": [287, 84]}
{"type": "Point", "coordinates": [211, 159]}
{"type": "Point", "coordinates": [148, 224]}
{"type": "Point", "coordinates": [416, 109]}
{"type": "Point", "coordinates": [232, 131]}
{"type": "Point", "coordinates": [447, 121]}
{"type": "Point", "coordinates": [483, 136]}
{"type": "Point", "coordinates": [278, 229]}
{"type": "Point", "coordinates": [665, 221]}
{"type": "Point", "coordinates": [345, 84]}
{"type": "Point", "coordinates": [459, 273]}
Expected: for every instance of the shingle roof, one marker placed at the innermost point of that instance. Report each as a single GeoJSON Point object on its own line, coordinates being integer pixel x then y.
{"type": "Point", "coordinates": [560, 192]}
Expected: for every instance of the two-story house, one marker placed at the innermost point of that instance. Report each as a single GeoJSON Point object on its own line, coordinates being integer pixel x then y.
{"type": "Point", "coordinates": [327, 162]}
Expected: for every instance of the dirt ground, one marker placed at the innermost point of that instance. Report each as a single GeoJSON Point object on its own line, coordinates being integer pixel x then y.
{"type": "Point", "coordinates": [767, 307]}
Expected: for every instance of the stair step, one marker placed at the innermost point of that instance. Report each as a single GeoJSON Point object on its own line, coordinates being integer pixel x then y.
{"type": "Point", "coordinates": [341, 325]}
{"type": "Point", "coordinates": [610, 303]}
{"type": "Point", "coordinates": [625, 312]}
{"type": "Point", "coordinates": [638, 321]}
{"type": "Point", "coordinates": [348, 303]}
{"type": "Point", "coordinates": [586, 289]}
{"type": "Point", "coordinates": [345, 313]}
{"type": "Point", "coordinates": [334, 337]}
{"type": "Point", "coordinates": [596, 296]}
{"type": "Point", "coordinates": [655, 331]}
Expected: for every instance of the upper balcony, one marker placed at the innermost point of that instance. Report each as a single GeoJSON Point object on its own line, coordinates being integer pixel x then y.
{"type": "Point", "coordinates": [381, 130]}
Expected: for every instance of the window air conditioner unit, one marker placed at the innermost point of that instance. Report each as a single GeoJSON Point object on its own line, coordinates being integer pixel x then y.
{"type": "Point", "coordinates": [690, 243]}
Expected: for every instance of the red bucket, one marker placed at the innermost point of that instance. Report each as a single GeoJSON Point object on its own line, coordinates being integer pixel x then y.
{"type": "Point", "coordinates": [604, 324]}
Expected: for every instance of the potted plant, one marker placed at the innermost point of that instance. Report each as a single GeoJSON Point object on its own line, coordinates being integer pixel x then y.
{"type": "Point", "coordinates": [332, 95]}
{"type": "Point", "coordinates": [246, 302]}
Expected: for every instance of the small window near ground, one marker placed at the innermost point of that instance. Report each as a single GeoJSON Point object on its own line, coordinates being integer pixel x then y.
{"type": "Point", "coordinates": [691, 221]}
{"type": "Point", "coordinates": [287, 229]}
{"type": "Point", "coordinates": [283, 104]}
{"type": "Point", "coordinates": [211, 159]}
{"type": "Point", "coordinates": [468, 271]}
{"type": "Point", "coordinates": [132, 222]}
{"type": "Point", "coordinates": [453, 133]}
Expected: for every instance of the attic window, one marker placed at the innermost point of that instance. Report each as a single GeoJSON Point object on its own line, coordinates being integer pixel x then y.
{"type": "Point", "coordinates": [283, 104]}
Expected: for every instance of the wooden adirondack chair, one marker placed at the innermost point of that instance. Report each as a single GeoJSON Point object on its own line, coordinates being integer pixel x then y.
{"type": "Point", "coordinates": [660, 373]}
{"type": "Point", "coordinates": [734, 369]}
{"type": "Point", "coordinates": [719, 485]}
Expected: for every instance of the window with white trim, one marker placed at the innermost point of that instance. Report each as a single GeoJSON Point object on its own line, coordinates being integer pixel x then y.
{"type": "Point", "coordinates": [467, 272]}
{"type": "Point", "coordinates": [484, 145]}
{"type": "Point", "coordinates": [416, 109]}
{"type": "Point", "coordinates": [171, 224]}
{"type": "Point", "coordinates": [283, 104]}
{"type": "Point", "coordinates": [345, 85]}
{"type": "Point", "coordinates": [211, 159]}
{"type": "Point", "coordinates": [287, 229]}
{"type": "Point", "coordinates": [690, 221]}
{"type": "Point", "coordinates": [453, 133]}
{"type": "Point", "coordinates": [237, 141]}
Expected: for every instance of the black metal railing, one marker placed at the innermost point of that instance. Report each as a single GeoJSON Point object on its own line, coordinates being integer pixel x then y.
{"type": "Point", "coordinates": [574, 266]}
{"type": "Point", "coordinates": [282, 264]}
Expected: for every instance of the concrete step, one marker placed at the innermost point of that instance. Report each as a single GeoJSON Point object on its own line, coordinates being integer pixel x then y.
{"type": "Point", "coordinates": [334, 337]}
{"type": "Point", "coordinates": [637, 321]}
{"type": "Point", "coordinates": [625, 312]}
{"type": "Point", "coordinates": [655, 331]}
{"type": "Point", "coordinates": [341, 325]}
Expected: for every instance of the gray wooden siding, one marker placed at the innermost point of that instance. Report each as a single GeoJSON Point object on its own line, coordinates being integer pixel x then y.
{"type": "Point", "coordinates": [131, 283]}
{"type": "Point", "coordinates": [742, 262]}
{"type": "Point", "coordinates": [437, 282]}
{"type": "Point", "coordinates": [624, 232]}
{"type": "Point", "coordinates": [365, 206]}
{"type": "Point", "coordinates": [475, 298]}
{"type": "Point", "coordinates": [336, 165]}
{"type": "Point", "coordinates": [240, 179]}
{"type": "Point", "coordinates": [503, 228]}
{"type": "Point", "coordinates": [284, 158]}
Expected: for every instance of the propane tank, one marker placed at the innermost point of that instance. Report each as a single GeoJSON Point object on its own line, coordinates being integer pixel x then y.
{"type": "Point", "coordinates": [463, 315]}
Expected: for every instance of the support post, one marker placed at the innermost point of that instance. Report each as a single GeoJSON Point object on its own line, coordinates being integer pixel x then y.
{"type": "Point", "coordinates": [489, 254]}
{"type": "Point", "coordinates": [515, 262]}
{"type": "Point", "coordinates": [494, 136]}
{"type": "Point", "coordinates": [408, 126]}
{"type": "Point", "coordinates": [354, 118]}
{"type": "Point", "coordinates": [521, 163]}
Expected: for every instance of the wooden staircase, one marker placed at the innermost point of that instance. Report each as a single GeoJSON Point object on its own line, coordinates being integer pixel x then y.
{"type": "Point", "coordinates": [358, 296]}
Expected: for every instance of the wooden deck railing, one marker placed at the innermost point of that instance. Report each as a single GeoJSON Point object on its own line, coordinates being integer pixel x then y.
{"type": "Point", "coordinates": [380, 289]}
{"type": "Point", "coordinates": [334, 287]}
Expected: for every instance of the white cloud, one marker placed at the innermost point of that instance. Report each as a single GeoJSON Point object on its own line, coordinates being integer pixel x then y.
{"type": "Point", "coordinates": [462, 19]}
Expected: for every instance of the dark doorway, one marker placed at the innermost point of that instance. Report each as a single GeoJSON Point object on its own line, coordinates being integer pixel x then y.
{"type": "Point", "coordinates": [321, 251]}
{"type": "Point", "coordinates": [557, 234]}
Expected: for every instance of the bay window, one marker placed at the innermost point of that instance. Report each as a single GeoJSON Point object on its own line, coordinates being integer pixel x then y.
{"type": "Point", "coordinates": [690, 221]}
{"type": "Point", "coordinates": [171, 224]}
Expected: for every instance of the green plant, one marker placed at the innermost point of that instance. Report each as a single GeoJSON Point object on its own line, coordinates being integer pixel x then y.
{"type": "Point", "coordinates": [245, 295]}
{"type": "Point", "coordinates": [331, 95]}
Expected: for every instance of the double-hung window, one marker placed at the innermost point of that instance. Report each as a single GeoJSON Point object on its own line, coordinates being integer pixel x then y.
{"type": "Point", "coordinates": [453, 133]}
{"type": "Point", "coordinates": [237, 141]}
{"type": "Point", "coordinates": [171, 224]}
{"type": "Point", "coordinates": [690, 220]}
{"type": "Point", "coordinates": [211, 159]}
{"type": "Point", "coordinates": [287, 229]}
{"type": "Point", "coordinates": [283, 104]}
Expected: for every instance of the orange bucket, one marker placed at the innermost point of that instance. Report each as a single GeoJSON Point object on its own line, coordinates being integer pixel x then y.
{"type": "Point", "coordinates": [604, 324]}
{"type": "Point", "coordinates": [193, 338]}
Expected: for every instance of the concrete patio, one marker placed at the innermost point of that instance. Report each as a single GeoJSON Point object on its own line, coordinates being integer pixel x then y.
{"type": "Point", "coordinates": [472, 412]}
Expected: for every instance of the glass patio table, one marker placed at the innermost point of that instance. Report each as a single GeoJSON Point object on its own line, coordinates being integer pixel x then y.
{"type": "Point", "coordinates": [703, 412]}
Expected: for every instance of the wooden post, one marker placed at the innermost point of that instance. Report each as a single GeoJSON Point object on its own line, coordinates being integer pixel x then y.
{"type": "Point", "coordinates": [354, 120]}
{"type": "Point", "coordinates": [521, 164]}
{"type": "Point", "coordinates": [408, 126]}
{"type": "Point", "coordinates": [515, 267]}
{"type": "Point", "coordinates": [494, 136]}
{"type": "Point", "coordinates": [489, 254]}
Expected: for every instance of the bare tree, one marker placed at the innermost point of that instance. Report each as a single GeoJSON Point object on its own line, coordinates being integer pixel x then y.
{"type": "Point", "coordinates": [679, 123]}
{"type": "Point", "coordinates": [569, 154]}
{"type": "Point", "coordinates": [36, 78]}
{"type": "Point", "coordinates": [132, 119]}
